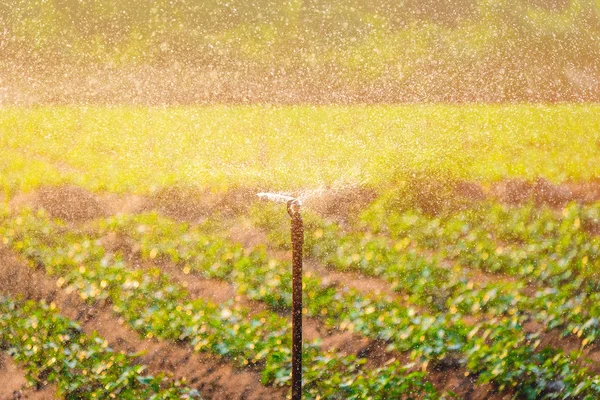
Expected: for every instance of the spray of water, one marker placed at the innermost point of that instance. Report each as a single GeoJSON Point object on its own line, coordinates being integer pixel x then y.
{"type": "Point", "coordinates": [303, 197]}
{"type": "Point", "coordinates": [277, 197]}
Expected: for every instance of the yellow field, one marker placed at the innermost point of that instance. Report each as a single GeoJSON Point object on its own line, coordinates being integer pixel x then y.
{"type": "Point", "coordinates": [127, 149]}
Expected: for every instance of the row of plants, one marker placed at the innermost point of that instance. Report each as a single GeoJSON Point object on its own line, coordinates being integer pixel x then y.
{"type": "Point", "coordinates": [554, 251]}
{"type": "Point", "coordinates": [445, 283]}
{"type": "Point", "coordinates": [424, 280]}
{"type": "Point", "coordinates": [156, 307]}
{"type": "Point", "coordinates": [536, 243]}
{"type": "Point", "coordinates": [502, 354]}
{"type": "Point", "coordinates": [259, 277]}
{"type": "Point", "coordinates": [53, 349]}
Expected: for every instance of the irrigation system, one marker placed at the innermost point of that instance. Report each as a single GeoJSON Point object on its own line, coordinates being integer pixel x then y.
{"type": "Point", "coordinates": [297, 233]}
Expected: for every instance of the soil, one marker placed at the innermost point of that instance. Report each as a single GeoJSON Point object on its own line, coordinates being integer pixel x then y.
{"type": "Point", "coordinates": [69, 203]}
{"type": "Point", "coordinates": [193, 204]}
{"type": "Point", "coordinates": [13, 385]}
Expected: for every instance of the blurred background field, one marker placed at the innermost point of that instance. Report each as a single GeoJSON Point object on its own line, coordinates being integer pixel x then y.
{"type": "Point", "coordinates": [290, 51]}
{"type": "Point", "coordinates": [141, 150]}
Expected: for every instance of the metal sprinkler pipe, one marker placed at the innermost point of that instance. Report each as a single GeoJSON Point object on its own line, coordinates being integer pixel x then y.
{"type": "Point", "coordinates": [297, 233]}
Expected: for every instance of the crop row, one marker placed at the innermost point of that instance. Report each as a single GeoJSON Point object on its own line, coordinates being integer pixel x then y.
{"type": "Point", "coordinates": [424, 280]}
{"type": "Point", "coordinates": [155, 306]}
{"type": "Point", "coordinates": [268, 280]}
{"type": "Point", "coordinates": [534, 243]}
{"type": "Point", "coordinates": [571, 305]}
{"type": "Point", "coordinates": [497, 351]}
{"type": "Point", "coordinates": [54, 349]}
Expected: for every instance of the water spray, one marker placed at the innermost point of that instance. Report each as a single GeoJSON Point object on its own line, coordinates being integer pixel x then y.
{"type": "Point", "coordinates": [297, 235]}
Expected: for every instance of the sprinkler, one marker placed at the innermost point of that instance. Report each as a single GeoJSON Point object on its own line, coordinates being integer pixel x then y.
{"type": "Point", "coordinates": [297, 234]}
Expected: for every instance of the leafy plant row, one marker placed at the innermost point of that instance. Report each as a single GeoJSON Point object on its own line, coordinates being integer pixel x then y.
{"type": "Point", "coordinates": [155, 306]}
{"type": "Point", "coordinates": [268, 280]}
{"type": "Point", "coordinates": [53, 349]}
{"type": "Point", "coordinates": [424, 280]}
{"type": "Point", "coordinates": [571, 305]}
{"type": "Point", "coordinates": [502, 353]}
{"type": "Point", "coordinates": [534, 243]}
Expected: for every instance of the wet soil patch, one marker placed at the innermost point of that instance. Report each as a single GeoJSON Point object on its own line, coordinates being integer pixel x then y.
{"type": "Point", "coordinates": [13, 385]}
{"type": "Point", "coordinates": [69, 203]}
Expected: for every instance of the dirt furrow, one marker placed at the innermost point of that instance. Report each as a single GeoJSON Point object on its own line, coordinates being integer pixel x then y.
{"type": "Point", "coordinates": [13, 385]}
{"type": "Point", "coordinates": [214, 378]}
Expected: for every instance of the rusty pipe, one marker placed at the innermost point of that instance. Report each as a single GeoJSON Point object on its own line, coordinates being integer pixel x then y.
{"type": "Point", "coordinates": [297, 234]}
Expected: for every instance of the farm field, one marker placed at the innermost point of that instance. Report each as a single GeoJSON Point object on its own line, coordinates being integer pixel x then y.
{"type": "Point", "coordinates": [140, 150]}
{"type": "Point", "coordinates": [137, 262]}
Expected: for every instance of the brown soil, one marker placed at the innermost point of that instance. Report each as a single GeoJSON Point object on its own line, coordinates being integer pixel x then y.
{"type": "Point", "coordinates": [114, 203]}
{"type": "Point", "coordinates": [69, 203]}
{"type": "Point", "coordinates": [429, 193]}
{"type": "Point", "coordinates": [214, 378]}
{"type": "Point", "coordinates": [13, 385]}
{"type": "Point", "coordinates": [540, 191]}
{"type": "Point", "coordinates": [434, 194]}
{"type": "Point", "coordinates": [194, 203]}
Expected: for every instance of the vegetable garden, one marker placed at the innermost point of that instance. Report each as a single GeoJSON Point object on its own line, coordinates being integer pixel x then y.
{"type": "Point", "coordinates": [490, 300]}
{"type": "Point", "coordinates": [416, 285]}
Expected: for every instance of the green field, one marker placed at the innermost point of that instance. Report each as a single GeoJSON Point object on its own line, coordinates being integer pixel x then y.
{"type": "Point", "coordinates": [490, 301]}
{"type": "Point", "coordinates": [125, 272]}
{"type": "Point", "coordinates": [128, 149]}
{"type": "Point", "coordinates": [444, 158]}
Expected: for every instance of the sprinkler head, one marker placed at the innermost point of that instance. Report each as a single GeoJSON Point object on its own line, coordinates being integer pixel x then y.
{"type": "Point", "coordinates": [293, 202]}
{"type": "Point", "coordinates": [293, 207]}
